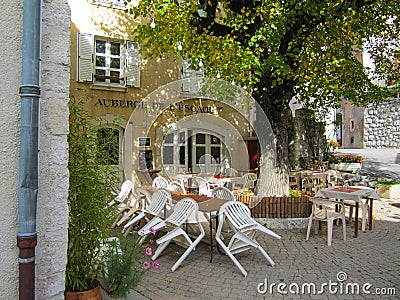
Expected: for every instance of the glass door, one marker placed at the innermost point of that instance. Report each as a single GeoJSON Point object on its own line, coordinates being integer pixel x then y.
{"type": "Point", "coordinates": [207, 153]}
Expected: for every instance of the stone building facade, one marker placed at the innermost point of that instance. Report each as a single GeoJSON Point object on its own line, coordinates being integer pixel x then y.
{"type": "Point", "coordinates": [382, 125]}
{"type": "Point", "coordinates": [52, 210]}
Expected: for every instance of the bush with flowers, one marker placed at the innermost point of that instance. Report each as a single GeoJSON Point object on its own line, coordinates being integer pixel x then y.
{"type": "Point", "coordinates": [123, 265]}
{"type": "Point", "coordinates": [345, 158]}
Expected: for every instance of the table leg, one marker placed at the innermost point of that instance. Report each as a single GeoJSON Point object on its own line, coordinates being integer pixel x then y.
{"type": "Point", "coordinates": [370, 213]}
{"type": "Point", "coordinates": [356, 221]}
{"type": "Point", "coordinates": [211, 239]}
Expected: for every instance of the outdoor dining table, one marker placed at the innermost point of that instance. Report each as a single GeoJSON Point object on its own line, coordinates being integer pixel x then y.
{"type": "Point", "coordinates": [355, 194]}
{"type": "Point", "coordinates": [207, 205]}
{"type": "Point", "coordinates": [229, 181]}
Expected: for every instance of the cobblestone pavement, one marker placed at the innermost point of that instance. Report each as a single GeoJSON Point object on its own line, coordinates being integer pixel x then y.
{"type": "Point", "coordinates": [372, 258]}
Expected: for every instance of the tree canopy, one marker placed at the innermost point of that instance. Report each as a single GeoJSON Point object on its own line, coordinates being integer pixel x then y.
{"type": "Point", "coordinates": [305, 46]}
{"type": "Point", "coordinates": [277, 49]}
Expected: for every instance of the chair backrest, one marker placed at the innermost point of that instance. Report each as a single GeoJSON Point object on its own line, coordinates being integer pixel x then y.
{"type": "Point", "coordinates": [160, 182]}
{"type": "Point", "coordinates": [176, 186]}
{"type": "Point", "coordinates": [230, 172]}
{"type": "Point", "coordinates": [223, 193]}
{"type": "Point", "coordinates": [159, 200]}
{"type": "Point", "coordinates": [237, 213]}
{"type": "Point", "coordinates": [203, 185]}
{"type": "Point", "coordinates": [126, 189]}
{"type": "Point", "coordinates": [249, 180]}
{"type": "Point", "coordinates": [182, 211]}
{"type": "Point", "coordinates": [144, 196]}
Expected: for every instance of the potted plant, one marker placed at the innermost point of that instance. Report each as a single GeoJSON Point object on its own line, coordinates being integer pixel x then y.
{"type": "Point", "coordinates": [91, 258]}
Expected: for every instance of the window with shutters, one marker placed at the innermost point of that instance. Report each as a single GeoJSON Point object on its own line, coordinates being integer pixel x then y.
{"type": "Point", "coordinates": [191, 78]}
{"type": "Point", "coordinates": [108, 62]}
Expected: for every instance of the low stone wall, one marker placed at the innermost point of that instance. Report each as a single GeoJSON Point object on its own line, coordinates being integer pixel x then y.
{"type": "Point", "coordinates": [277, 207]}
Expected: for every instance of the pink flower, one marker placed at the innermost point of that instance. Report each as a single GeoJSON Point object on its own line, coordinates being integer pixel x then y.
{"type": "Point", "coordinates": [152, 230]}
{"type": "Point", "coordinates": [155, 264]}
{"type": "Point", "coordinates": [148, 251]}
{"type": "Point", "coordinates": [151, 241]}
{"type": "Point", "coordinates": [146, 265]}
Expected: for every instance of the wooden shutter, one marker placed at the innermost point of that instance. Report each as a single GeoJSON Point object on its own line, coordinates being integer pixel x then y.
{"type": "Point", "coordinates": [191, 78]}
{"type": "Point", "coordinates": [85, 57]}
{"type": "Point", "coordinates": [132, 64]}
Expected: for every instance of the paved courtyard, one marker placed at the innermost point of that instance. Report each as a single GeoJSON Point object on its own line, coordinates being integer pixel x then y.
{"type": "Point", "coordinates": [370, 261]}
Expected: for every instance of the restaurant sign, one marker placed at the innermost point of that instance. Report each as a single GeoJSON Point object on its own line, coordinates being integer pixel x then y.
{"type": "Point", "coordinates": [157, 106]}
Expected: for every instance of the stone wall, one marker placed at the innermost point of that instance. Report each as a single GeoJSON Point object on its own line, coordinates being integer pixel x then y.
{"type": "Point", "coordinates": [382, 125]}
{"type": "Point", "coordinates": [52, 210]}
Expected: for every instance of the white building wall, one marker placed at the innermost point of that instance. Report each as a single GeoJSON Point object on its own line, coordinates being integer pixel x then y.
{"type": "Point", "coordinates": [10, 79]}
{"type": "Point", "coordinates": [52, 210]}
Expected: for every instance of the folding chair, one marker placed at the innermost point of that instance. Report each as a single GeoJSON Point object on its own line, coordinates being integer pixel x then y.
{"type": "Point", "coordinates": [176, 186]}
{"type": "Point", "coordinates": [160, 182]}
{"type": "Point", "coordinates": [245, 229]}
{"type": "Point", "coordinates": [125, 200]}
{"type": "Point", "coordinates": [181, 213]}
{"type": "Point", "coordinates": [160, 201]}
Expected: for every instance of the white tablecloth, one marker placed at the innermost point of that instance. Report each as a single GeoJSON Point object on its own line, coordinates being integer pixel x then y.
{"type": "Point", "coordinates": [356, 193]}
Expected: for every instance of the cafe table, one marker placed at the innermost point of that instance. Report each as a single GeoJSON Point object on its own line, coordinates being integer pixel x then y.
{"type": "Point", "coordinates": [354, 194]}
{"type": "Point", "coordinates": [207, 205]}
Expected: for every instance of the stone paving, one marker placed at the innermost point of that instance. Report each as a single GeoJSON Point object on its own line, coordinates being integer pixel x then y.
{"type": "Point", "coordinates": [372, 258]}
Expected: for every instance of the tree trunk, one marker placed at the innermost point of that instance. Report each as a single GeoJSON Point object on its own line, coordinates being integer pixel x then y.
{"type": "Point", "coordinates": [274, 178]}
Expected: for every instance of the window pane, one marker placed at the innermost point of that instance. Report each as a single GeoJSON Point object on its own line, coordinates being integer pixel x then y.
{"type": "Point", "coordinates": [168, 155]}
{"type": "Point", "coordinates": [169, 138]}
{"type": "Point", "coordinates": [114, 74]}
{"type": "Point", "coordinates": [115, 48]}
{"type": "Point", "coordinates": [100, 72]}
{"type": "Point", "coordinates": [182, 137]}
{"type": "Point", "coordinates": [100, 47]}
{"type": "Point", "coordinates": [182, 155]}
{"type": "Point", "coordinates": [100, 61]}
{"type": "Point", "coordinates": [216, 153]}
{"type": "Point", "coordinates": [200, 138]}
{"type": "Point", "coordinates": [115, 63]}
{"type": "Point", "coordinates": [215, 140]}
{"type": "Point", "coordinates": [108, 146]}
{"type": "Point", "coordinates": [200, 151]}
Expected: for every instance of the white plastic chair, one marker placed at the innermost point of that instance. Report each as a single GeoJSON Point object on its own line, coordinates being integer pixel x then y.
{"type": "Point", "coordinates": [245, 228]}
{"type": "Point", "coordinates": [223, 193]}
{"type": "Point", "coordinates": [249, 180]}
{"type": "Point", "coordinates": [160, 201]}
{"type": "Point", "coordinates": [230, 172]}
{"type": "Point", "coordinates": [203, 185]}
{"type": "Point", "coordinates": [328, 211]}
{"type": "Point", "coordinates": [176, 186]}
{"type": "Point", "coordinates": [181, 213]}
{"type": "Point", "coordinates": [126, 189]}
{"type": "Point", "coordinates": [143, 197]}
{"type": "Point", "coordinates": [126, 201]}
{"type": "Point", "coordinates": [160, 182]}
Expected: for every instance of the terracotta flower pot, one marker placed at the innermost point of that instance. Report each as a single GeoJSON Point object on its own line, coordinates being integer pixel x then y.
{"type": "Point", "coordinates": [93, 294]}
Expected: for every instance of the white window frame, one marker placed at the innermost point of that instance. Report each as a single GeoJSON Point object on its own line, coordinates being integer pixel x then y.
{"type": "Point", "coordinates": [191, 79]}
{"type": "Point", "coordinates": [129, 56]}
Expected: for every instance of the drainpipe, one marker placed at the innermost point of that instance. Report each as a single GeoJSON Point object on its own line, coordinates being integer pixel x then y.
{"type": "Point", "coordinates": [29, 140]}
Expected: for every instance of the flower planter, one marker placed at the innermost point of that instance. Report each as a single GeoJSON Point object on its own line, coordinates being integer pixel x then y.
{"type": "Point", "coordinates": [93, 294]}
